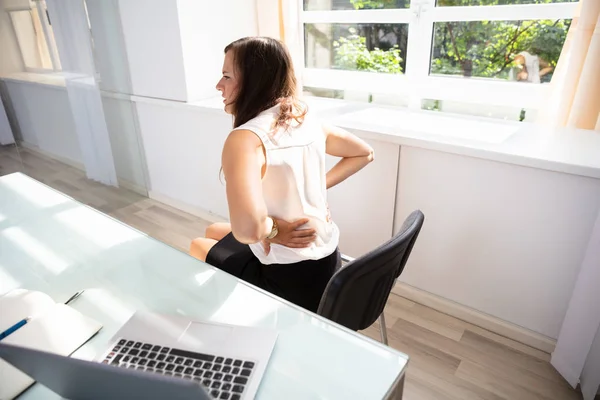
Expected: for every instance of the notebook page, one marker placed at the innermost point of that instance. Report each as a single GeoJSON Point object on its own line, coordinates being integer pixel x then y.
{"type": "Point", "coordinates": [60, 330]}
{"type": "Point", "coordinates": [20, 303]}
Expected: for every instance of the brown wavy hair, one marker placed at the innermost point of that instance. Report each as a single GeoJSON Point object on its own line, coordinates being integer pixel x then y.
{"type": "Point", "coordinates": [266, 78]}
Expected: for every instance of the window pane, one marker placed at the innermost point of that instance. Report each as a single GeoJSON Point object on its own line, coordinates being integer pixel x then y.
{"type": "Point", "coordinates": [356, 47]}
{"type": "Point", "coordinates": [324, 5]}
{"type": "Point", "coordinates": [450, 3]}
{"type": "Point", "coordinates": [524, 51]}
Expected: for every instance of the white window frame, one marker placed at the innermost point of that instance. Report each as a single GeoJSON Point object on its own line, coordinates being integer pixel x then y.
{"type": "Point", "coordinates": [52, 50]}
{"type": "Point", "coordinates": [46, 27]}
{"type": "Point", "coordinates": [416, 82]}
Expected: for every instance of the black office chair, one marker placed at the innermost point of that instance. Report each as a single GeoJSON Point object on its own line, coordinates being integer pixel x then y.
{"type": "Point", "coordinates": [356, 294]}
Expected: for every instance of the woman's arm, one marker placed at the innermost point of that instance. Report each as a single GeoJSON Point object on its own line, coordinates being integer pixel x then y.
{"type": "Point", "coordinates": [545, 68]}
{"type": "Point", "coordinates": [355, 153]}
{"type": "Point", "coordinates": [242, 160]}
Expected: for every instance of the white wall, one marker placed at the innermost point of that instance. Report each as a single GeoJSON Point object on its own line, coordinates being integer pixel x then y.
{"type": "Point", "coordinates": [152, 42]}
{"type": "Point", "coordinates": [205, 34]}
{"type": "Point", "coordinates": [175, 47]}
{"type": "Point", "coordinates": [499, 238]}
{"type": "Point", "coordinates": [11, 60]}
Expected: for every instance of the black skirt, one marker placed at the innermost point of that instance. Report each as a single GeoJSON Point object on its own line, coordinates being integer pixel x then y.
{"type": "Point", "coordinates": [301, 283]}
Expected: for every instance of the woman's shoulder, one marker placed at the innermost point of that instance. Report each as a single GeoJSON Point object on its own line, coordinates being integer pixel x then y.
{"type": "Point", "coordinates": [266, 120]}
{"type": "Point", "coordinates": [261, 122]}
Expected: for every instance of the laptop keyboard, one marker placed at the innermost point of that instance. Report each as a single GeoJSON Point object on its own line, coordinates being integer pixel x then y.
{"type": "Point", "coordinates": [224, 378]}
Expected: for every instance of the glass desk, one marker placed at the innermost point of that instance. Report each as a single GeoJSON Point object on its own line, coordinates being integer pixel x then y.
{"type": "Point", "coordinates": [51, 243]}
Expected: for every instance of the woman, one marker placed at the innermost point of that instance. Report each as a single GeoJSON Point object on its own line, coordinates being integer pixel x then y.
{"type": "Point", "coordinates": [281, 237]}
{"type": "Point", "coordinates": [533, 68]}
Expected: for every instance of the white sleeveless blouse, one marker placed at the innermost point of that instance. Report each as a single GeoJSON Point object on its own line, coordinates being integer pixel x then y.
{"type": "Point", "coordinates": [294, 185]}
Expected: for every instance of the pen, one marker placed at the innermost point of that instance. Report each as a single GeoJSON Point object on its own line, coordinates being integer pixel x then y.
{"type": "Point", "coordinates": [14, 327]}
{"type": "Point", "coordinates": [76, 295]}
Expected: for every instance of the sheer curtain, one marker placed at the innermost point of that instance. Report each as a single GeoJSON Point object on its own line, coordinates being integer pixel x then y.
{"type": "Point", "coordinates": [575, 88]}
{"type": "Point", "coordinates": [73, 39]}
{"type": "Point", "coordinates": [577, 353]}
{"type": "Point", "coordinates": [280, 19]}
{"type": "Point", "coordinates": [575, 102]}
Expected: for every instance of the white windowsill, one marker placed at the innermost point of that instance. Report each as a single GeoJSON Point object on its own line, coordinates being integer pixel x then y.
{"type": "Point", "coordinates": [56, 79]}
{"type": "Point", "coordinates": [566, 150]}
{"type": "Point", "coordinates": [53, 79]}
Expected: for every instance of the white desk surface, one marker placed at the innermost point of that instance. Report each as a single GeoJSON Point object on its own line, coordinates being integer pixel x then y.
{"type": "Point", "coordinates": [51, 243]}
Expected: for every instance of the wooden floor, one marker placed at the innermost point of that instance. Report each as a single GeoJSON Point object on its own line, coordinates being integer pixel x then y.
{"type": "Point", "coordinates": [449, 359]}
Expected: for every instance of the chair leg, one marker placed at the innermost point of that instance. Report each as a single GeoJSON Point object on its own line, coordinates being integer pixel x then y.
{"type": "Point", "coordinates": [383, 329]}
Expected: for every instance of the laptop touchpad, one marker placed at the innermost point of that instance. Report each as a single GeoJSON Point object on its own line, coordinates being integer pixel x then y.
{"type": "Point", "coordinates": [202, 334]}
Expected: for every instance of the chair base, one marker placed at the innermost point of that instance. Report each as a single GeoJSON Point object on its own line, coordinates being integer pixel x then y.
{"type": "Point", "coordinates": [383, 329]}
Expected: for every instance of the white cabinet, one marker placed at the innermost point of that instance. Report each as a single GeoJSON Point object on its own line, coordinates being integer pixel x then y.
{"type": "Point", "coordinates": [503, 239]}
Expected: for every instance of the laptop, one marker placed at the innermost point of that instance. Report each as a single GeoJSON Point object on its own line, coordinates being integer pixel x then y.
{"type": "Point", "coordinates": [155, 356]}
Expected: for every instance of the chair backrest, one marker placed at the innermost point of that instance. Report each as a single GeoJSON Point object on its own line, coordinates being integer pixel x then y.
{"type": "Point", "coordinates": [356, 294]}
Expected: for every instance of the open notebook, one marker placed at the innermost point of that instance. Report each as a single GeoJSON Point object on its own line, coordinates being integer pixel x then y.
{"type": "Point", "coordinates": [54, 327]}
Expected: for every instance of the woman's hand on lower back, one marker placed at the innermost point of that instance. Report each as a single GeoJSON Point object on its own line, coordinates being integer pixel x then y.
{"type": "Point", "coordinates": [290, 235]}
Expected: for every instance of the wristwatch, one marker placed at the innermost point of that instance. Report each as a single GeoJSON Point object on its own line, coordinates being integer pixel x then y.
{"type": "Point", "coordinates": [274, 229]}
